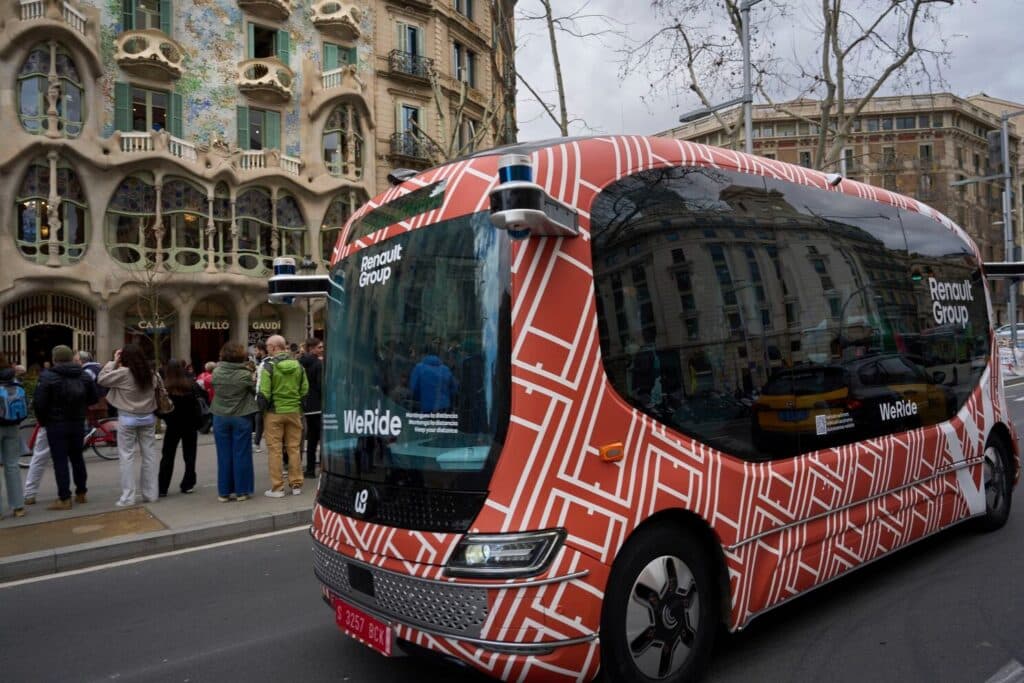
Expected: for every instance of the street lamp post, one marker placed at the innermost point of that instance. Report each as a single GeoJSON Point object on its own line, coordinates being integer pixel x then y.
{"type": "Point", "coordinates": [308, 267]}
{"type": "Point", "coordinates": [747, 100]}
{"type": "Point", "coordinates": [1011, 314]}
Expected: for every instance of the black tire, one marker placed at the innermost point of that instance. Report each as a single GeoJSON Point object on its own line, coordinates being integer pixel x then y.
{"type": "Point", "coordinates": [997, 482]}
{"type": "Point", "coordinates": [633, 653]}
{"type": "Point", "coordinates": [25, 454]}
{"type": "Point", "coordinates": [105, 450]}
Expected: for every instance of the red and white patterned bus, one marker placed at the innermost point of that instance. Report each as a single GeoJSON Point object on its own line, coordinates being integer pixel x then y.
{"type": "Point", "coordinates": [588, 400]}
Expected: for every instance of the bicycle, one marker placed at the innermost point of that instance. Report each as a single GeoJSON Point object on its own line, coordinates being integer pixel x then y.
{"type": "Point", "coordinates": [27, 431]}
{"type": "Point", "coordinates": [102, 438]}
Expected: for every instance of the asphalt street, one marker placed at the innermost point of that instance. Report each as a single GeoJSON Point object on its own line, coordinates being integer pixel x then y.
{"type": "Point", "coordinates": [950, 608]}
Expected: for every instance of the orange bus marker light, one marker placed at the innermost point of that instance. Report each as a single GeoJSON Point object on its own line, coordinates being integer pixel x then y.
{"type": "Point", "coordinates": [612, 452]}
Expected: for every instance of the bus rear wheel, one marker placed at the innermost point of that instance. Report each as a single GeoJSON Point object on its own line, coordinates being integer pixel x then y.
{"type": "Point", "coordinates": [997, 480]}
{"type": "Point", "coordinates": [660, 612]}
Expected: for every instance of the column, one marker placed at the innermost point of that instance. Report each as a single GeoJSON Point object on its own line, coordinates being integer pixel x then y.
{"type": "Point", "coordinates": [234, 235]}
{"type": "Point", "coordinates": [240, 324]}
{"type": "Point", "coordinates": [182, 347]}
{"type": "Point", "coordinates": [53, 214]}
{"type": "Point", "coordinates": [104, 337]}
{"type": "Point", "coordinates": [52, 96]}
{"type": "Point", "coordinates": [211, 232]}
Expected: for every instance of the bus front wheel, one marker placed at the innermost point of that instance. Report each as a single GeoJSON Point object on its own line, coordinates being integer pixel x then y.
{"type": "Point", "coordinates": [997, 479]}
{"type": "Point", "coordinates": [660, 612]}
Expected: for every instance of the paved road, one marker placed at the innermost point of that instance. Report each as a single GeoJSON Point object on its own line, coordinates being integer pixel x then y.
{"type": "Point", "coordinates": [949, 609]}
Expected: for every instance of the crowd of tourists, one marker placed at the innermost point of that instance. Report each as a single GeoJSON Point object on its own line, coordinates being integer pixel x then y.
{"type": "Point", "coordinates": [270, 392]}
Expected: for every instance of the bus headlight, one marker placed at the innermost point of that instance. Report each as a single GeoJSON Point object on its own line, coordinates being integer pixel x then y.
{"type": "Point", "coordinates": [520, 554]}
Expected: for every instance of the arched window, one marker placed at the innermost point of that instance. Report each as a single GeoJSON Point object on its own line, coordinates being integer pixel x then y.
{"type": "Point", "coordinates": [222, 226]}
{"type": "Point", "coordinates": [343, 142]}
{"type": "Point", "coordinates": [131, 216]}
{"type": "Point", "coordinates": [291, 227]}
{"type": "Point", "coordinates": [185, 212]}
{"type": "Point", "coordinates": [33, 234]}
{"type": "Point", "coordinates": [254, 212]}
{"type": "Point", "coordinates": [342, 207]}
{"type": "Point", "coordinates": [34, 82]}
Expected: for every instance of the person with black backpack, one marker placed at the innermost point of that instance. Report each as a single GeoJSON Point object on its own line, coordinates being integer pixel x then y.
{"type": "Point", "coordinates": [13, 410]}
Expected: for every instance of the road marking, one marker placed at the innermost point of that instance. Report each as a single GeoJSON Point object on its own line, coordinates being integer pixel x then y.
{"type": "Point", "coordinates": [1013, 672]}
{"type": "Point", "coordinates": [147, 558]}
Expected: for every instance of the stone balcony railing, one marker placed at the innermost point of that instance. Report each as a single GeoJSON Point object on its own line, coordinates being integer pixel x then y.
{"type": "Point", "coordinates": [255, 159]}
{"type": "Point", "coordinates": [266, 78]}
{"type": "Point", "coordinates": [344, 77]}
{"type": "Point", "coordinates": [408, 64]}
{"type": "Point", "coordinates": [338, 18]}
{"type": "Point", "coordinates": [411, 146]}
{"type": "Point", "coordinates": [37, 9]}
{"type": "Point", "coordinates": [245, 160]}
{"type": "Point", "coordinates": [150, 54]}
{"type": "Point", "coordinates": [278, 10]}
{"type": "Point", "coordinates": [132, 142]}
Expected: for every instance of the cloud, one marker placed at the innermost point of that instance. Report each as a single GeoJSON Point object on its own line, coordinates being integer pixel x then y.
{"type": "Point", "coordinates": [983, 36]}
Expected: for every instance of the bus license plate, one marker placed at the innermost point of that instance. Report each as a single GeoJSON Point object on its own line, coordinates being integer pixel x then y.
{"type": "Point", "coordinates": [792, 415]}
{"type": "Point", "coordinates": [363, 627]}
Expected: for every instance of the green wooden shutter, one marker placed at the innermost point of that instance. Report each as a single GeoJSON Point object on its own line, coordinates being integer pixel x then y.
{"type": "Point", "coordinates": [330, 56]}
{"type": "Point", "coordinates": [272, 128]}
{"type": "Point", "coordinates": [166, 17]}
{"type": "Point", "coordinates": [122, 107]}
{"type": "Point", "coordinates": [176, 114]}
{"type": "Point", "coordinates": [127, 15]}
{"type": "Point", "coordinates": [403, 37]}
{"type": "Point", "coordinates": [242, 125]}
{"type": "Point", "coordinates": [349, 55]}
{"type": "Point", "coordinates": [250, 49]}
{"type": "Point", "coordinates": [283, 46]}
{"type": "Point", "coordinates": [419, 42]}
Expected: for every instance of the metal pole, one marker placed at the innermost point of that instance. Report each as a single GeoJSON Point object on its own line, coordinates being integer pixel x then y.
{"type": "Point", "coordinates": [1011, 314]}
{"type": "Point", "coordinates": [748, 96]}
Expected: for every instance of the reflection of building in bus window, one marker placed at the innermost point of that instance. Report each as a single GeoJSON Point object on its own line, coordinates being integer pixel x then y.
{"type": "Point", "coordinates": [472, 402]}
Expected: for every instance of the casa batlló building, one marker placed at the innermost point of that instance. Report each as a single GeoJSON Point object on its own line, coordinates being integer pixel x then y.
{"type": "Point", "coordinates": [157, 155]}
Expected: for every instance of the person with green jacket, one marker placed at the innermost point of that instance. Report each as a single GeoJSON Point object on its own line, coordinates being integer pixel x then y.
{"type": "Point", "coordinates": [233, 408]}
{"type": "Point", "coordinates": [283, 384]}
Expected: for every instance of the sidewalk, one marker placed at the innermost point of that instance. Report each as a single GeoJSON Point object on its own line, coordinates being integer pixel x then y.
{"type": "Point", "coordinates": [46, 541]}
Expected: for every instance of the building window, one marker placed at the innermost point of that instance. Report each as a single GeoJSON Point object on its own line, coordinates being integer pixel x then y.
{"type": "Point", "coordinates": [464, 64]}
{"type": "Point", "coordinates": [924, 189]}
{"type": "Point", "coordinates": [34, 83]}
{"type": "Point", "coordinates": [149, 110]}
{"type": "Point", "coordinates": [253, 214]}
{"type": "Point", "coordinates": [889, 181]}
{"type": "Point", "coordinates": [185, 212]}
{"type": "Point", "coordinates": [886, 123]}
{"type": "Point", "coordinates": [141, 110]}
{"type": "Point", "coordinates": [805, 159]}
{"type": "Point", "coordinates": [342, 207]}
{"type": "Point", "coordinates": [343, 142]}
{"type": "Point", "coordinates": [131, 217]}
{"type": "Point", "coordinates": [925, 152]}
{"type": "Point", "coordinates": [848, 164]}
{"type": "Point", "coordinates": [264, 42]}
{"type": "Point", "coordinates": [468, 136]}
{"type": "Point", "coordinates": [905, 122]}
{"type": "Point", "coordinates": [147, 14]}
{"type": "Point", "coordinates": [335, 56]}
{"type": "Point", "coordinates": [465, 8]}
{"type": "Point", "coordinates": [871, 125]}
{"type": "Point", "coordinates": [291, 227]}
{"type": "Point", "coordinates": [258, 128]}
{"type": "Point", "coordinates": [34, 231]}
{"type": "Point", "coordinates": [410, 39]}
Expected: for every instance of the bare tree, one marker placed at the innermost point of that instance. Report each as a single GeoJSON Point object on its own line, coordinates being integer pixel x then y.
{"type": "Point", "coordinates": [579, 23]}
{"type": "Point", "coordinates": [844, 53]}
{"type": "Point", "coordinates": [463, 125]}
{"type": "Point", "coordinates": [151, 282]}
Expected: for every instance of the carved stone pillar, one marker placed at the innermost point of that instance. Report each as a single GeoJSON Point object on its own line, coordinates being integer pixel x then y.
{"type": "Point", "coordinates": [211, 233]}
{"type": "Point", "coordinates": [53, 96]}
{"type": "Point", "coordinates": [235, 268]}
{"type": "Point", "coordinates": [53, 215]}
{"type": "Point", "coordinates": [275, 234]}
{"type": "Point", "coordinates": [158, 225]}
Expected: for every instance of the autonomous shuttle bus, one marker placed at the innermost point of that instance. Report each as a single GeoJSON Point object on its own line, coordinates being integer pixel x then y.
{"type": "Point", "coordinates": [588, 400]}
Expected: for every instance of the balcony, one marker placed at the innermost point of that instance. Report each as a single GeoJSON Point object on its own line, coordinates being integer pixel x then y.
{"type": "Point", "coordinates": [411, 148]}
{"type": "Point", "coordinates": [410, 65]}
{"type": "Point", "coordinates": [276, 10]}
{"type": "Point", "coordinates": [343, 78]}
{"type": "Point", "coordinates": [150, 54]}
{"type": "Point", "coordinates": [338, 19]}
{"type": "Point", "coordinates": [37, 9]}
{"type": "Point", "coordinates": [256, 159]}
{"type": "Point", "coordinates": [152, 141]}
{"type": "Point", "coordinates": [266, 79]}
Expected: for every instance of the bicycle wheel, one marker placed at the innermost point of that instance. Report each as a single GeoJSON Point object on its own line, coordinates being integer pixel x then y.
{"type": "Point", "coordinates": [104, 440]}
{"type": "Point", "coordinates": [107, 451]}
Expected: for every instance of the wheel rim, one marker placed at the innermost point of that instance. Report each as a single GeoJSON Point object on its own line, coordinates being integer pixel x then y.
{"type": "Point", "coordinates": [662, 617]}
{"type": "Point", "coordinates": [995, 479]}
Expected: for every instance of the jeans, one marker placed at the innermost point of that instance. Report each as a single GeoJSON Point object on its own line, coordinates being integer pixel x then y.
{"type": "Point", "coordinates": [129, 441]}
{"type": "Point", "coordinates": [312, 440]}
{"type": "Point", "coordinates": [283, 430]}
{"type": "Point", "coordinates": [187, 434]}
{"type": "Point", "coordinates": [233, 437]}
{"type": "Point", "coordinates": [66, 447]}
{"type": "Point", "coordinates": [37, 466]}
{"type": "Point", "coordinates": [10, 449]}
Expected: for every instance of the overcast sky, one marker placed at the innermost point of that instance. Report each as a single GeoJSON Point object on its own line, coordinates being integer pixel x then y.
{"type": "Point", "coordinates": [985, 37]}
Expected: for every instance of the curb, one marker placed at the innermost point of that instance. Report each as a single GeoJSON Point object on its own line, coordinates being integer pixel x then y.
{"type": "Point", "coordinates": [100, 552]}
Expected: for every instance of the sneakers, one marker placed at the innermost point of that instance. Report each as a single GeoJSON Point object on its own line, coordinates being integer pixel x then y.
{"type": "Point", "coordinates": [297, 491]}
{"type": "Point", "coordinates": [30, 500]}
{"type": "Point", "coordinates": [191, 490]}
{"type": "Point", "coordinates": [224, 499]}
{"type": "Point", "coordinates": [19, 512]}
{"type": "Point", "coordinates": [242, 498]}
{"type": "Point", "coordinates": [80, 498]}
{"type": "Point", "coordinates": [274, 494]}
{"type": "Point", "coordinates": [125, 503]}
{"type": "Point", "coordinates": [60, 504]}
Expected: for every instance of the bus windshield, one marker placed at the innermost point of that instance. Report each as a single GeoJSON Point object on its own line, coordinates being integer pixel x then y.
{"type": "Point", "coordinates": [417, 354]}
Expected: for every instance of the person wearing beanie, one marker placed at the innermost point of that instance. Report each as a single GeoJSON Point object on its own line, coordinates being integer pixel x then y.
{"type": "Point", "coordinates": [61, 399]}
